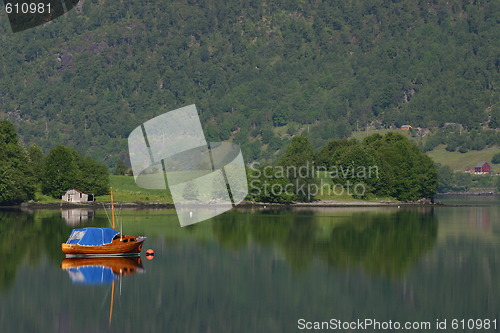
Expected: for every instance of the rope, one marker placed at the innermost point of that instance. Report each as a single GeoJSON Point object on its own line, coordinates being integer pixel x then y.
{"type": "Point", "coordinates": [109, 220]}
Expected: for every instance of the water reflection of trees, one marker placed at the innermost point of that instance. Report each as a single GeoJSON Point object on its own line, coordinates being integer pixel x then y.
{"type": "Point", "coordinates": [381, 243]}
{"type": "Point", "coordinates": [29, 235]}
{"type": "Point", "coordinates": [387, 243]}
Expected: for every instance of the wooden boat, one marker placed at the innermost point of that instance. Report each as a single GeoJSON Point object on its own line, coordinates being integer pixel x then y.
{"type": "Point", "coordinates": [119, 245]}
{"type": "Point", "coordinates": [102, 241]}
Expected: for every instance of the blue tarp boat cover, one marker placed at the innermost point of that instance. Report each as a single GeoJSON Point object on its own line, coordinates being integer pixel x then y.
{"type": "Point", "coordinates": [92, 236]}
{"type": "Point", "coordinates": [92, 275]}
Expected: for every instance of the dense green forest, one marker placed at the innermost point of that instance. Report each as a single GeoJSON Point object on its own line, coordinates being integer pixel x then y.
{"type": "Point", "coordinates": [26, 171]}
{"type": "Point", "coordinates": [259, 71]}
{"type": "Point", "coordinates": [388, 166]}
{"type": "Point", "coordinates": [458, 139]}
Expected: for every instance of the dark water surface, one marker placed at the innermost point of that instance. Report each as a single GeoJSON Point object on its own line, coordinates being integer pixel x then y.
{"type": "Point", "coordinates": [259, 270]}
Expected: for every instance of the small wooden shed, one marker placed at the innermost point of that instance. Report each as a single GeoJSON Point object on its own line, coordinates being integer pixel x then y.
{"type": "Point", "coordinates": [73, 195]}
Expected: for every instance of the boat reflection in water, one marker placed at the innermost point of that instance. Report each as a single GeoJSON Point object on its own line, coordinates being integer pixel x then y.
{"type": "Point", "coordinates": [101, 270]}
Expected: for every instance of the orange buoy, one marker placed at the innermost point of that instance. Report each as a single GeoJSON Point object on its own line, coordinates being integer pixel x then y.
{"type": "Point", "coordinates": [150, 254]}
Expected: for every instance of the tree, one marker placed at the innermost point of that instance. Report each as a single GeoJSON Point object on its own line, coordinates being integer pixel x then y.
{"type": "Point", "coordinates": [407, 173]}
{"type": "Point", "coordinates": [275, 143]}
{"type": "Point", "coordinates": [357, 164]}
{"type": "Point", "coordinates": [65, 168]}
{"type": "Point", "coordinates": [280, 116]}
{"type": "Point", "coordinates": [496, 158]}
{"type": "Point", "coordinates": [299, 152]}
{"type": "Point", "coordinates": [120, 169]}
{"type": "Point", "coordinates": [326, 154]}
{"type": "Point", "coordinates": [299, 163]}
{"type": "Point", "coordinates": [267, 135]}
{"type": "Point", "coordinates": [60, 171]}
{"type": "Point", "coordinates": [8, 133]}
{"type": "Point", "coordinates": [463, 181]}
{"type": "Point", "coordinates": [495, 116]}
{"type": "Point", "coordinates": [36, 158]}
{"type": "Point", "coordinates": [93, 176]}
{"type": "Point", "coordinates": [446, 178]}
{"type": "Point", "coordinates": [17, 183]}
{"type": "Point", "coordinates": [16, 186]}
{"type": "Point", "coordinates": [268, 184]}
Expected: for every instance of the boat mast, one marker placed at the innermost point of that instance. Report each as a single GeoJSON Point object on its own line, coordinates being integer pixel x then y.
{"type": "Point", "coordinates": [112, 302]}
{"type": "Point", "coordinates": [121, 226]}
{"type": "Point", "coordinates": [112, 210]}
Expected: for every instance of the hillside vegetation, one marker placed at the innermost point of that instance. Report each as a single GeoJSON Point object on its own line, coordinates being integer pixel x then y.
{"type": "Point", "coordinates": [321, 68]}
{"type": "Point", "coordinates": [460, 162]}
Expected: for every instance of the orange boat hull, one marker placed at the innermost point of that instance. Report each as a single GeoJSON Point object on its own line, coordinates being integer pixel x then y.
{"type": "Point", "coordinates": [127, 245]}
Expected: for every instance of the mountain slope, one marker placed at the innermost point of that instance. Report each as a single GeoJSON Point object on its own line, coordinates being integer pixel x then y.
{"type": "Point", "coordinates": [88, 78]}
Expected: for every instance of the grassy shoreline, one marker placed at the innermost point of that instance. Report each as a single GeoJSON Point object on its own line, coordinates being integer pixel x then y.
{"type": "Point", "coordinates": [128, 195]}
{"type": "Point", "coordinates": [244, 204]}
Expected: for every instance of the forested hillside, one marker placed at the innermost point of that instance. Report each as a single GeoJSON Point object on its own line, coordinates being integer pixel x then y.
{"type": "Point", "coordinates": [259, 71]}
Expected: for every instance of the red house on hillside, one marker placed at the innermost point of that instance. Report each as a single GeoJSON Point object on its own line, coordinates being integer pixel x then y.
{"type": "Point", "coordinates": [482, 167]}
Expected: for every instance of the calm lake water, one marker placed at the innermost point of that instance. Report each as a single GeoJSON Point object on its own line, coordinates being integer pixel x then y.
{"type": "Point", "coordinates": [258, 270]}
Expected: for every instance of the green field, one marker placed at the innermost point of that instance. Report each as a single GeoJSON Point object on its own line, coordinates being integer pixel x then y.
{"type": "Point", "coordinates": [125, 190]}
{"type": "Point", "coordinates": [464, 161]}
{"type": "Point", "coordinates": [455, 160]}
